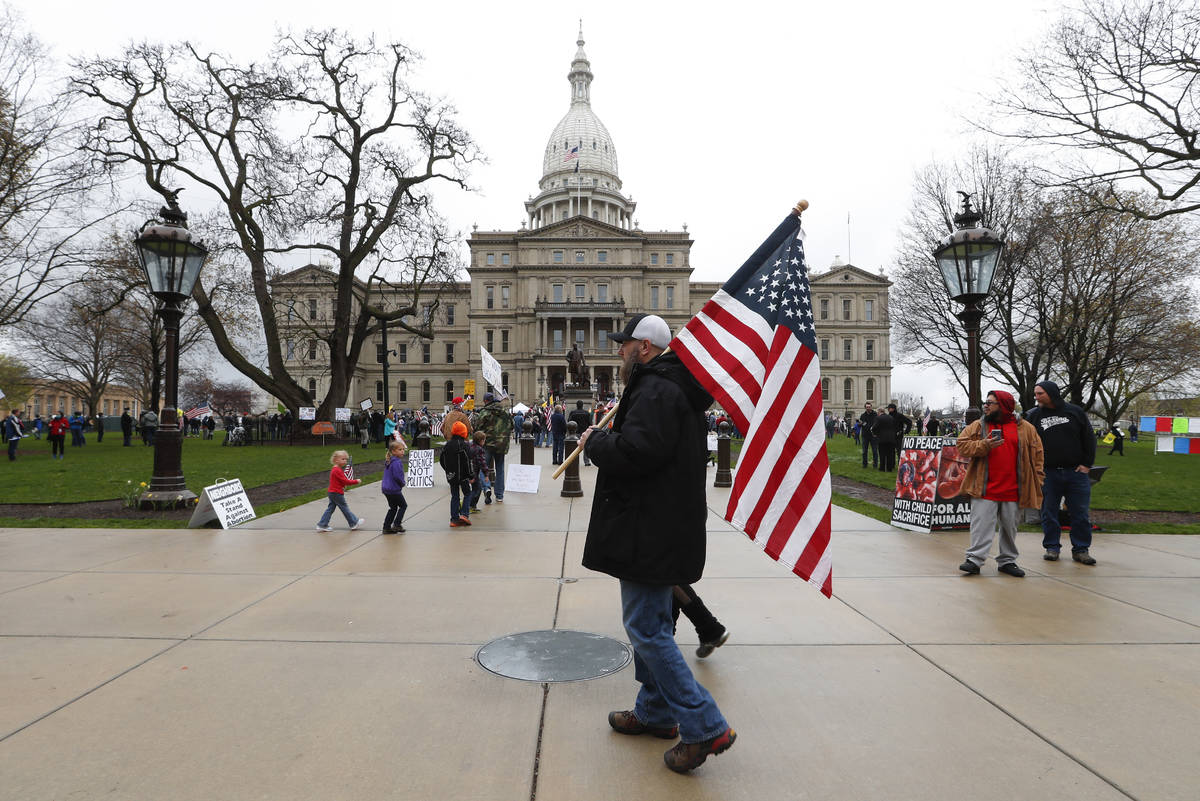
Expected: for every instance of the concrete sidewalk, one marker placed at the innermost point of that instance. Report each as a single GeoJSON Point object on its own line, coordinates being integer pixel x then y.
{"type": "Point", "coordinates": [274, 662]}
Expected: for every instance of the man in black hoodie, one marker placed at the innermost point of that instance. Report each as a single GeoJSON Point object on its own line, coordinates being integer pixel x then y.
{"type": "Point", "coordinates": [647, 529]}
{"type": "Point", "coordinates": [1070, 450]}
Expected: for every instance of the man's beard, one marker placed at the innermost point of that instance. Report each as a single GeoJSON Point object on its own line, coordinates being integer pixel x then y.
{"type": "Point", "coordinates": [996, 416]}
{"type": "Point", "coordinates": [627, 365]}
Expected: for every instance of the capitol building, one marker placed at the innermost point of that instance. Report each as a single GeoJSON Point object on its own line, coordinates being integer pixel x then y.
{"type": "Point", "coordinates": [577, 269]}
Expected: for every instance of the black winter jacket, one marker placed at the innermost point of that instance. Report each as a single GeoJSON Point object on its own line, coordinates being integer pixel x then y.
{"type": "Point", "coordinates": [884, 429]}
{"type": "Point", "coordinates": [1067, 435]}
{"type": "Point", "coordinates": [649, 510]}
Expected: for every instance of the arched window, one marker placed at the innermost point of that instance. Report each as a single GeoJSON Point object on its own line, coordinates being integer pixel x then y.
{"type": "Point", "coordinates": [402, 393]}
{"type": "Point", "coordinates": [449, 391]}
{"type": "Point", "coordinates": [870, 389]}
{"type": "Point", "coordinates": [825, 389]}
{"type": "Point", "coordinates": [424, 392]}
{"type": "Point", "coordinates": [379, 390]}
{"type": "Point", "coordinates": [848, 390]}
{"type": "Point", "coordinates": [312, 390]}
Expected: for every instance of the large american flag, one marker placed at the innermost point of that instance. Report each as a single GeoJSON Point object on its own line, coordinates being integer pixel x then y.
{"type": "Point", "coordinates": [754, 348]}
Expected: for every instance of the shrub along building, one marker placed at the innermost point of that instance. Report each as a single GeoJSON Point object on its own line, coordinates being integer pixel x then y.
{"type": "Point", "coordinates": [577, 268]}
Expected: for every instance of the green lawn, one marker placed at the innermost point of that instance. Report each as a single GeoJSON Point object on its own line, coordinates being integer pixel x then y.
{"type": "Point", "coordinates": [1139, 481]}
{"type": "Point", "coordinates": [106, 470]}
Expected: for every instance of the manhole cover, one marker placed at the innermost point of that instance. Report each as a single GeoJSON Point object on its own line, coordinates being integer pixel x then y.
{"type": "Point", "coordinates": [554, 655]}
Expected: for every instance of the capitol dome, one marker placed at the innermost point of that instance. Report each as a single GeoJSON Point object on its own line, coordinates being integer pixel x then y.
{"type": "Point", "coordinates": [582, 131]}
{"type": "Point", "coordinates": [579, 169]}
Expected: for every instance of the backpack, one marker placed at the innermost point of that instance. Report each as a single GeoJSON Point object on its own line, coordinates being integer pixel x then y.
{"type": "Point", "coordinates": [457, 463]}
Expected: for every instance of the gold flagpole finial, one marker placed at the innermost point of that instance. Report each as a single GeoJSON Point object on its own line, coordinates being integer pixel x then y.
{"type": "Point", "coordinates": [800, 207]}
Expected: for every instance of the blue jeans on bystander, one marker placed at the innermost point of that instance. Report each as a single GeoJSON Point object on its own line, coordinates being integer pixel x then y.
{"type": "Point", "coordinates": [1076, 488]}
{"type": "Point", "coordinates": [496, 462]}
{"type": "Point", "coordinates": [670, 693]}
{"type": "Point", "coordinates": [460, 500]}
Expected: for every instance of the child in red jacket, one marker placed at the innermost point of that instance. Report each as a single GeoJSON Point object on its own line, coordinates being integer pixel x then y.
{"type": "Point", "coordinates": [338, 481]}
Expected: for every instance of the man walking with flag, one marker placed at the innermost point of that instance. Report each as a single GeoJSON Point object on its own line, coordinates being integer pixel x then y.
{"type": "Point", "coordinates": [647, 529]}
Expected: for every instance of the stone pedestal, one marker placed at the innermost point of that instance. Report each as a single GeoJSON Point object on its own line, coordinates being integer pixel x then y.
{"type": "Point", "coordinates": [572, 393]}
{"type": "Point", "coordinates": [572, 487]}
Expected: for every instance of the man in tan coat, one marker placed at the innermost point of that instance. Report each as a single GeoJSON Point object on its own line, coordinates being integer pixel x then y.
{"type": "Point", "coordinates": [1005, 474]}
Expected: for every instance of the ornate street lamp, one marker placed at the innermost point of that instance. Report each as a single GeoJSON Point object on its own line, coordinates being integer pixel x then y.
{"type": "Point", "coordinates": [967, 259]}
{"type": "Point", "coordinates": [172, 261]}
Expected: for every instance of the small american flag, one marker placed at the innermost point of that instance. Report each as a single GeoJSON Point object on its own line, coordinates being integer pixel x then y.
{"type": "Point", "coordinates": [573, 153]}
{"type": "Point", "coordinates": [197, 411]}
{"type": "Point", "coordinates": [753, 348]}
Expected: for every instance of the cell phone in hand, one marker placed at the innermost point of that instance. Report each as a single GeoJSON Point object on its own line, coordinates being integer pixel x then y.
{"type": "Point", "coordinates": [996, 434]}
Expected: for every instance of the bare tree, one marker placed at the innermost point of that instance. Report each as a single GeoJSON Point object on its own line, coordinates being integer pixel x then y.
{"type": "Point", "coordinates": [1113, 92]}
{"type": "Point", "coordinates": [1120, 317]}
{"type": "Point", "coordinates": [73, 346]}
{"type": "Point", "coordinates": [45, 183]}
{"type": "Point", "coordinates": [325, 148]}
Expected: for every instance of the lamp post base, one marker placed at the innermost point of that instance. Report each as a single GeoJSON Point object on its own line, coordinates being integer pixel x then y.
{"type": "Point", "coordinates": [167, 486]}
{"type": "Point", "coordinates": [169, 499]}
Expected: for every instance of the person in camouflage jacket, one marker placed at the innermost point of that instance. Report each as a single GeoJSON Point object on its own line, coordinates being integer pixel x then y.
{"type": "Point", "coordinates": [497, 424]}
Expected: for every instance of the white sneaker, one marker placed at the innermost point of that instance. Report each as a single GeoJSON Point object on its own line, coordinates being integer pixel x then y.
{"type": "Point", "coordinates": [324, 528]}
{"type": "Point", "coordinates": [361, 520]}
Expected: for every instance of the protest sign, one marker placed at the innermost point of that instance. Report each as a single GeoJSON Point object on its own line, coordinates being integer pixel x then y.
{"type": "Point", "coordinates": [952, 509]}
{"type": "Point", "coordinates": [929, 486]}
{"type": "Point", "coordinates": [341, 415]}
{"type": "Point", "coordinates": [916, 482]}
{"type": "Point", "coordinates": [365, 404]}
{"type": "Point", "coordinates": [226, 502]}
{"type": "Point", "coordinates": [522, 478]}
{"type": "Point", "coordinates": [491, 372]}
{"type": "Point", "coordinates": [308, 412]}
{"type": "Point", "coordinates": [419, 474]}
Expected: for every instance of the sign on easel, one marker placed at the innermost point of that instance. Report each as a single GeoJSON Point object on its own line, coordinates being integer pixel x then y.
{"type": "Point", "coordinates": [225, 501]}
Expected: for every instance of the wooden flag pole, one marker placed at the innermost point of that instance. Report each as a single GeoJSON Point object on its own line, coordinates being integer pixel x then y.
{"type": "Point", "coordinates": [579, 448]}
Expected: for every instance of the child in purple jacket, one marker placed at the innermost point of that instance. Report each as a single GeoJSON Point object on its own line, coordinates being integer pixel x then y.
{"type": "Point", "coordinates": [393, 487]}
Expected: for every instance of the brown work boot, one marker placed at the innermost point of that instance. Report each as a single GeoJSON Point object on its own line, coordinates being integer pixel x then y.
{"type": "Point", "coordinates": [627, 723]}
{"type": "Point", "coordinates": [689, 756]}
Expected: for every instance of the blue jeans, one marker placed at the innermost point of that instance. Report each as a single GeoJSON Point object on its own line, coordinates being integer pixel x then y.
{"type": "Point", "coordinates": [496, 462]}
{"type": "Point", "coordinates": [670, 693]}
{"type": "Point", "coordinates": [337, 500]}
{"type": "Point", "coordinates": [557, 453]}
{"type": "Point", "coordinates": [472, 499]}
{"type": "Point", "coordinates": [1076, 488]}
{"type": "Point", "coordinates": [460, 500]}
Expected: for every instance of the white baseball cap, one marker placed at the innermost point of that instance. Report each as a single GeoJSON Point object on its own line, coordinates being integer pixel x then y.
{"type": "Point", "coordinates": [645, 326]}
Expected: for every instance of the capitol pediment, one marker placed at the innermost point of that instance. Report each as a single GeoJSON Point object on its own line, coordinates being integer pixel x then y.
{"type": "Point", "coordinates": [847, 274]}
{"type": "Point", "coordinates": [579, 228]}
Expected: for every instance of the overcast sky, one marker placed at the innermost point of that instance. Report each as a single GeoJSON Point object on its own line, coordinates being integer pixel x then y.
{"type": "Point", "coordinates": [721, 119]}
